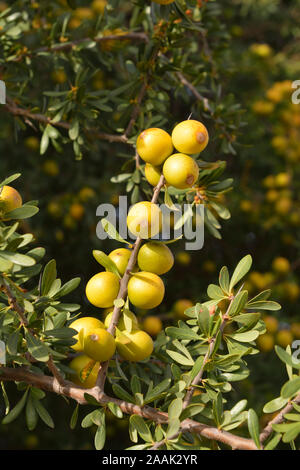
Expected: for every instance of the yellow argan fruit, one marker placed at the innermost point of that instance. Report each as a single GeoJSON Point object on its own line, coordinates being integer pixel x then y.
{"type": "Point", "coordinates": [284, 338]}
{"type": "Point", "coordinates": [154, 145]}
{"type": "Point", "coordinates": [271, 324]}
{"type": "Point", "coordinates": [144, 219]}
{"type": "Point", "coordinates": [295, 330]}
{"type": "Point", "coordinates": [155, 257]}
{"type": "Point", "coordinates": [86, 193]}
{"type": "Point", "coordinates": [83, 326]}
{"type": "Point", "coordinates": [99, 345]}
{"type": "Point", "coordinates": [152, 174]}
{"type": "Point", "coordinates": [282, 180]}
{"type": "Point", "coordinates": [51, 168]}
{"type": "Point", "coordinates": [281, 265]}
{"type": "Point", "coordinates": [139, 347]}
{"type": "Point", "coordinates": [265, 342]}
{"type": "Point", "coordinates": [102, 289]}
{"type": "Point", "coordinates": [180, 171]}
{"type": "Point", "coordinates": [146, 290]}
{"type": "Point", "coordinates": [121, 322]}
{"type": "Point", "coordinates": [98, 6]}
{"type": "Point", "coordinates": [120, 257]}
{"type": "Point", "coordinates": [180, 306]}
{"type": "Point", "coordinates": [190, 137]}
{"type": "Point", "coordinates": [59, 76]}
{"type": "Point", "coordinates": [10, 199]}
{"type": "Point", "coordinates": [76, 211]}
{"type": "Point", "coordinates": [32, 143]}
{"type": "Point", "coordinates": [283, 205]}
{"type": "Point", "coordinates": [152, 325]}
{"type": "Point", "coordinates": [78, 364]}
{"type": "Point", "coordinates": [183, 258]}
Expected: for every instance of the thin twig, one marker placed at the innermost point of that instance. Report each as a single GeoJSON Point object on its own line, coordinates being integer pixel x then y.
{"type": "Point", "coordinates": [194, 90]}
{"type": "Point", "coordinates": [123, 290]}
{"type": "Point", "coordinates": [55, 372]}
{"type": "Point", "coordinates": [14, 305]}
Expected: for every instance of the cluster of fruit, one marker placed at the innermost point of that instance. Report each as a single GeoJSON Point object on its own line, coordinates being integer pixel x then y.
{"type": "Point", "coordinates": [155, 147]}
{"type": "Point", "coordinates": [95, 345]}
{"type": "Point", "coordinates": [145, 288]}
{"type": "Point", "coordinates": [277, 333]}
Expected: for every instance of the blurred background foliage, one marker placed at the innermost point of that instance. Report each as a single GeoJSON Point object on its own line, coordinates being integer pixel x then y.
{"type": "Point", "coordinates": [242, 56]}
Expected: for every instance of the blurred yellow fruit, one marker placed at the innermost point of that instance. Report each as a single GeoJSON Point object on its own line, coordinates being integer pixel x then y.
{"type": "Point", "coordinates": [154, 145]}
{"type": "Point", "coordinates": [190, 137]}
{"type": "Point", "coordinates": [272, 195]}
{"type": "Point", "coordinates": [98, 6]}
{"type": "Point", "coordinates": [180, 306]}
{"type": "Point", "coordinates": [261, 50]}
{"type": "Point", "coordinates": [138, 348]}
{"type": "Point", "coordinates": [291, 290]}
{"type": "Point", "coordinates": [265, 342]}
{"type": "Point", "coordinates": [183, 258]}
{"type": "Point", "coordinates": [295, 330]}
{"type": "Point", "coordinates": [152, 174]}
{"type": "Point", "coordinates": [209, 266]}
{"type": "Point", "coordinates": [246, 206]}
{"type": "Point", "coordinates": [145, 290]}
{"type": "Point", "coordinates": [282, 179]}
{"type": "Point", "coordinates": [152, 325]}
{"type": "Point", "coordinates": [84, 13]}
{"type": "Point", "coordinates": [51, 168]}
{"type": "Point", "coordinates": [59, 76]}
{"type": "Point", "coordinates": [32, 143]}
{"type": "Point", "coordinates": [283, 206]}
{"type": "Point", "coordinates": [102, 289]}
{"type": "Point", "coordinates": [76, 211]}
{"type": "Point", "coordinates": [263, 107]}
{"type": "Point", "coordinates": [54, 209]}
{"type": "Point", "coordinates": [86, 193]}
{"type": "Point", "coordinates": [83, 325]}
{"type": "Point", "coordinates": [31, 440]}
{"type": "Point", "coordinates": [271, 324]}
{"type": "Point", "coordinates": [10, 199]}
{"type": "Point", "coordinates": [99, 344]}
{"type": "Point", "coordinates": [155, 257]}
{"type": "Point", "coordinates": [269, 181]}
{"type": "Point", "coordinates": [144, 219]}
{"type": "Point", "coordinates": [281, 265]}
{"type": "Point", "coordinates": [284, 338]}
{"type": "Point", "coordinates": [180, 171]}
{"type": "Point", "coordinates": [78, 364]}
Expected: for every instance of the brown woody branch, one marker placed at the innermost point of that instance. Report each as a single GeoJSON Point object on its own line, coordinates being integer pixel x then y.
{"type": "Point", "coordinates": [279, 418]}
{"type": "Point", "coordinates": [194, 91]}
{"type": "Point", "coordinates": [50, 384]}
{"type": "Point", "coordinates": [12, 301]}
{"type": "Point", "coordinates": [123, 289]}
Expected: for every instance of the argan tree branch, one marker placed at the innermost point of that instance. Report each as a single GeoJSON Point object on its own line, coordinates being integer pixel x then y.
{"type": "Point", "coordinates": [279, 418]}
{"type": "Point", "coordinates": [123, 289]}
{"type": "Point", "coordinates": [50, 384]}
{"type": "Point", "coordinates": [12, 301]}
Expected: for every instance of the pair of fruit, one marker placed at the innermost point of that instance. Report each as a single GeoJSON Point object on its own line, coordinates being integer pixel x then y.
{"type": "Point", "coordinates": [98, 345]}
{"type": "Point", "coordinates": [155, 147]}
{"type": "Point", "coordinates": [10, 199]}
{"type": "Point", "coordinates": [145, 289]}
{"type": "Point", "coordinates": [134, 345]}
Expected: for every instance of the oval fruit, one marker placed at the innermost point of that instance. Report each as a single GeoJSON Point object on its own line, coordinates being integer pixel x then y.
{"type": "Point", "coordinates": [180, 306]}
{"type": "Point", "coordinates": [154, 145]}
{"type": "Point", "coordinates": [139, 347]}
{"type": "Point", "coordinates": [144, 219]}
{"type": "Point", "coordinates": [152, 325]}
{"type": "Point", "coordinates": [155, 257]}
{"type": "Point", "coordinates": [10, 199]}
{"type": "Point", "coordinates": [152, 174]}
{"type": "Point", "coordinates": [78, 364]}
{"type": "Point", "coordinates": [146, 290]}
{"type": "Point", "coordinates": [99, 345]}
{"type": "Point", "coordinates": [180, 171]}
{"type": "Point", "coordinates": [190, 136]}
{"type": "Point", "coordinates": [83, 326]}
{"type": "Point", "coordinates": [102, 289]}
{"type": "Point", "coordinates": [120, 257]}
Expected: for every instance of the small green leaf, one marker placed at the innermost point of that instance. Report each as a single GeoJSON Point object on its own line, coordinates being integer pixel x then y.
{"type": "Point", "coordinates": [74, 417]}
{"type": "Point", "coordinates": [240, 271]}
{"type": "Point", "coordinates": [36, 348]}
{"type": "Point", "coordinates": [291, 388]}
{"type": "Point", "coordinates": [141, 427]}
{"type": "Point", "coordinates": [175, 408]}
{"type": "Point", "coordinates": [48, 277]}
{"type": "Point", "coordinates": [43, 414]}
{"type": "Point", "coordinates": [24, 212]}
{"type": "Point", "coordinates": [14, 413]}
{"type": "Point", "coordinates": [106, 262]}
{"type": "Point", "coordinates": [253, 426]}
{"type": "Point", "coordinates": [31, 414]}
{"type": "Point", "coordinates": [275, 405]}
